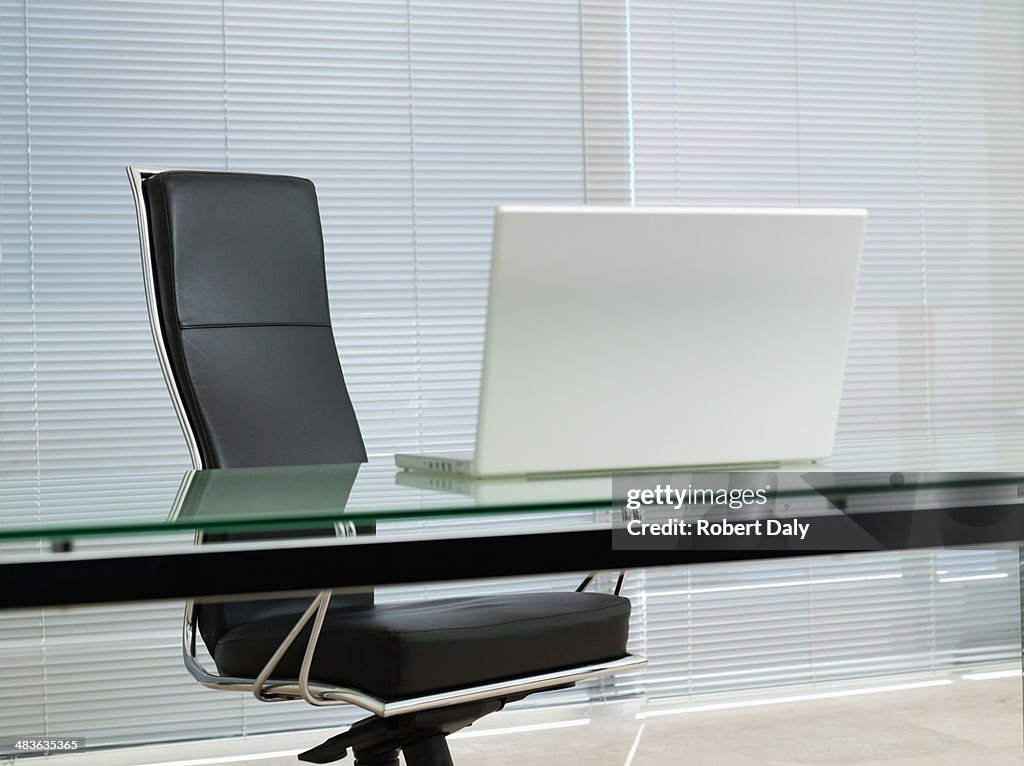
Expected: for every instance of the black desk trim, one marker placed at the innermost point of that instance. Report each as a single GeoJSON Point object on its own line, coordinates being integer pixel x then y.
{"type": "Point", "coordinates": [226, 572]}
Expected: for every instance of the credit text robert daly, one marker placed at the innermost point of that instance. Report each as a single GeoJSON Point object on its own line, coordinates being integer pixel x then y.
{"type": "Point", "coordinates": [668, 496]}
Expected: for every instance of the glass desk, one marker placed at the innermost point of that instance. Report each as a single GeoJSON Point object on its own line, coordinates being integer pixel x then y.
{"type": "Point", "coordinates": [92, 539]}
{"type": "Point", "coordinates": [393, 527]}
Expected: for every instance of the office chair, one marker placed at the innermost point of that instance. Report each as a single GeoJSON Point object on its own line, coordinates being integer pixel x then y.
{"type": "Point", "coordinates": [234, 274]}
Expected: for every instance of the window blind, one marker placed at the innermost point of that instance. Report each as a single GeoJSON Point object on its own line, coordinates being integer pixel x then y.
{"type": "Point", "coordinates": [914, 111]}
{"type": "Point", "coordinates": [17, 434]}
{"type": "Point", "coordinates": [414, 119]}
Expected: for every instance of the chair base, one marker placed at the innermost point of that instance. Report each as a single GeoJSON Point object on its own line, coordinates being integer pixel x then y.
{"type": "Point", "coordinates": [420, 736]}
{"type": "Point", "coordinates": [432, 751]}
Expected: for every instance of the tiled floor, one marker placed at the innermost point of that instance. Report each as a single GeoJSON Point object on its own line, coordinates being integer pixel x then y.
{"type": "Point", "coordinates": [965, 723]}
{"type": "Point", "coordinates": [941, 721]}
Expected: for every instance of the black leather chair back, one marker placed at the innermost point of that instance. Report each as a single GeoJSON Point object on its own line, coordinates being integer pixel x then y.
{"type": "Point", "coordinates": [241, 293]}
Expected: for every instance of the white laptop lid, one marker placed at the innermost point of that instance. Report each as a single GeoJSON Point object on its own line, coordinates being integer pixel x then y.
{"type": "Point", "coordinates": [623, 338]}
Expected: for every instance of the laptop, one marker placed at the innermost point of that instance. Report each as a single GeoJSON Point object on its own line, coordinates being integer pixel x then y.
{"type": "Point", "coordinates": [634, 338]}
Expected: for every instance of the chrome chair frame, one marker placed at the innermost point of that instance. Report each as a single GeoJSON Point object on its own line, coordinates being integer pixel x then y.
{"type": "Point", "coordinates": [265, 687]}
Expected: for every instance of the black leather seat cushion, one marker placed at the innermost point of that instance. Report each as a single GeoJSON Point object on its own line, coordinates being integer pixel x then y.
{"type": "Point", "coordinates": [394, 651]}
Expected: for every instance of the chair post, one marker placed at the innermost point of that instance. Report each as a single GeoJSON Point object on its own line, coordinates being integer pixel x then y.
{"type": "Point", "coordinates": [432, 751]}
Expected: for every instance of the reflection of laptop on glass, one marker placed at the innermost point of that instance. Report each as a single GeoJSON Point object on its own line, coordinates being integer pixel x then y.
{"type": "Point", "coordinates": [631, 338]}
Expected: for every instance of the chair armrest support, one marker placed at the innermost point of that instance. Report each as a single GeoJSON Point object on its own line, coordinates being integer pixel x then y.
{"type": "Point", "coordinates": [590, 578]}
{"type": "Point", "coordinates": [318, 606]}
